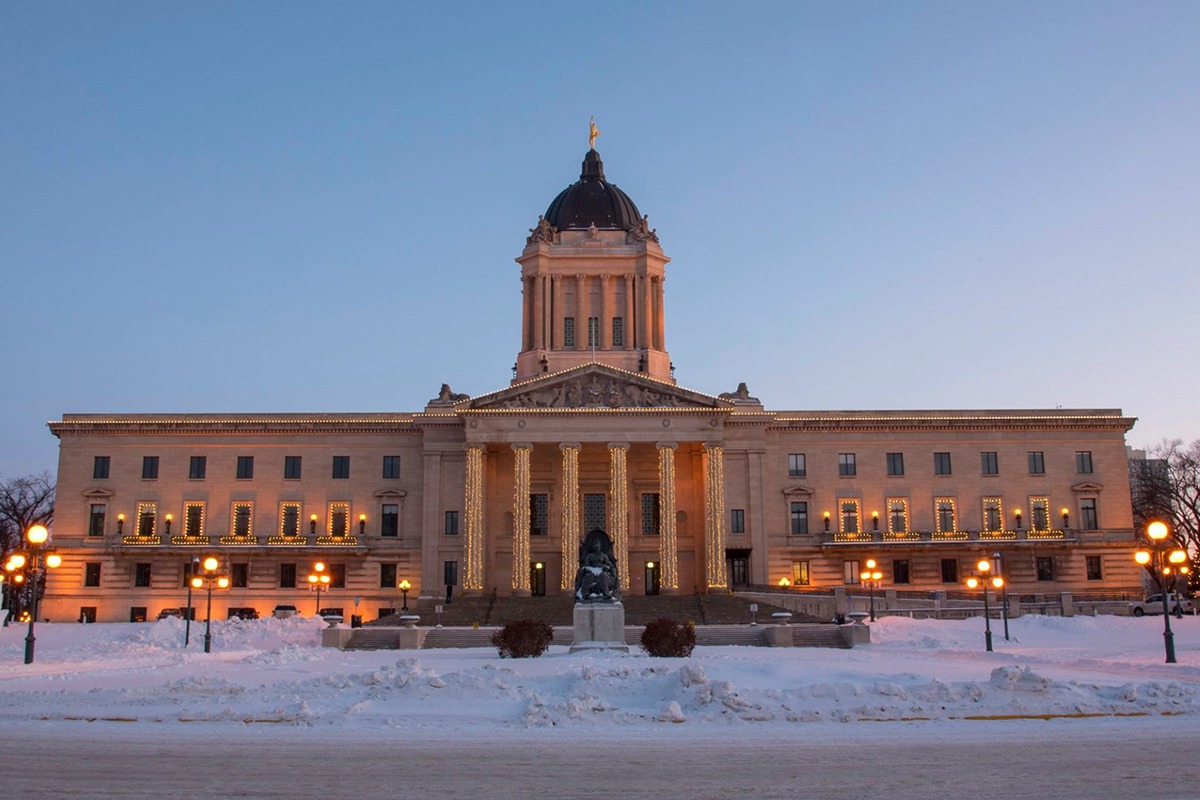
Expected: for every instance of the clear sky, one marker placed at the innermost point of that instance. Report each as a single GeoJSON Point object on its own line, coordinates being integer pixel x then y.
{"type": "Point", "coordinates": [270, 206]}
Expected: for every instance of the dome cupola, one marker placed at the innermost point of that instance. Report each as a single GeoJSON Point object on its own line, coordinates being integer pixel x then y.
{"type": "Point", "coordinates": [592, 200]}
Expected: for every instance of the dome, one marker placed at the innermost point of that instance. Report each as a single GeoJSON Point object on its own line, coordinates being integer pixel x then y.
{"type": "Point", "coordinates": [592, 201]}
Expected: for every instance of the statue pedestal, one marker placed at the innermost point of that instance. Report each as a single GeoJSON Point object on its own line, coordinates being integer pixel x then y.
{"type": "Point", "coordinates": [599, 626]}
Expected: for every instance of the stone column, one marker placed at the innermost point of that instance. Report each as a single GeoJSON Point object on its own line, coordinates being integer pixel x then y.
{"type": "Point", "coordinates": [538, 333]}
{"type": "Point", "coordinates": [558, 294]}
{"type": "Point", "coordinates": [643, 302]}
{"type": "Point", "coordinates": [520, 545]}
{"type": "Point", "coordinates": [714, 516]}
{"type": "Point", "coordinates": [526, 315]}
{"type": "Point", "coordinates": [628, 313]}
{"type": "Point", "coordinates": [668, 552]}
{"type": "Point", "coordinates": [660, 317]}
{"type": "Point", "coordinates": [472, 578]}
{"type": "Point", "coordinates": [581, 318]}
{"type": "Point", "coordinates": [570, 513]}
{"type": "Point", "coordinates": [618, 508]}
{"type": "Point", "coordinates": [604, 335]}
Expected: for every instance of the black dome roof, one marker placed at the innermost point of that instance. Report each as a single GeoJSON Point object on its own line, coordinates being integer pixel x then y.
{"type": "Point", "coordinates": [592, 201]}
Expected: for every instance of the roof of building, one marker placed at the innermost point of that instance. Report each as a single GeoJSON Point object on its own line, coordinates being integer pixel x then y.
{"type": "Point", "coordinates": [592, 200]}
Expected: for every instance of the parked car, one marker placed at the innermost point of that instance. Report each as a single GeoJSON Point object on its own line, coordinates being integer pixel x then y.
{"type": "Point", "coordinates": [242, 613]}
{"type": "Point", "coordinates": [1154, 605]}
{"type": "Point", "coordinates": [170, 612]}
{"type": "Point", "coordinates": [283, 611]}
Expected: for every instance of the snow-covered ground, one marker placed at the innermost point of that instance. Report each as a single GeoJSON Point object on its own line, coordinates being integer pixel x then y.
{"type": "Point", "coordinates": [1090, 669]}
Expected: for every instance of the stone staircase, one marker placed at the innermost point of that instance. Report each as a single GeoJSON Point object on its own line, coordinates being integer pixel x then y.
{"type": "Point", "coordinates": [808, 635]}
{"type": "Point", "coordinates": [373, 638]}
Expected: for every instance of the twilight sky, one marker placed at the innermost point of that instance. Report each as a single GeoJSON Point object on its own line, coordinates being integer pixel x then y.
{"type": "Point", "coordinates": [256, 207]}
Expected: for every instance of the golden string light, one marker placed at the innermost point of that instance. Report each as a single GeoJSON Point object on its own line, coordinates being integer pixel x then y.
{"type": "Point", "coordinates": [667, 545]}
{"type": "Point", "coordinates": [520, 576]}
{"type": "Point", "coordinates": [570, 513]}
{"type": "Point", "coordinates": [714, 516]}
{"type": "Point", "coordinates": [473, 504]}
{"type": "Point", "coordinates": [618, 490]}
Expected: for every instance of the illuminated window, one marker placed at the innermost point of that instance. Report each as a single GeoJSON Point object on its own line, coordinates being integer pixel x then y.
{"type": "Point", "coordinates": [100, 467]}
{"type": "Point", "coordinates": [650, 514]}
{"type": "Point", "coordinates": [944, 514]}
{"type": "Point", "coordinates": [193, 519]}
{"type": "Point", "coordinates": [796, 465]}
{"type": "Point", "coordinates": [1037, 462]}
{"type": "Point", "coordinates": [846, 464]}
{"type": "Point", "coordinates": [242, 516]}
{"type": "Point", "coordinates": [895, 463]}
{"type": "Point", "coordinates": [390, 520]}
{"type": "Point", "coordinates": [849, 509]}
{"type": "Point", "coordinates": [245, 468]}
{"type": "Point", "coordinates": [341, 467]}
{"type": "Point", "coordinates": [941, 463]}
{"type": "Point", "coordinates": [568, 332]}
{"type": "Point", "coordinates": [339, 519]}
{"type": "Point", "coordinates": [1083, 462]}
{"type": "Point", "coordinates": [799, 515]}
{"type": "Point", "coordinates": [1039, 513]}
{"type": "Point", "coordinates": [618, 332]}
{"type": "Point", "coordinates": [800, 573]}
{"type": "Point", "coordinates": [291, 468]}
{"type": "Point", "coordinates": [391, 467]}
{"type": "Point", "coordinates": [989, 463]}
{"type": "Point", "coordinates": [993, 514]}
{"type": "Point", "coordinates": [897, 515]}
{"type": "Point", "coordinates": [197, 467]}
{"type": "Point", "coordinates": [96, 520]}
{"type": "Point", "coordinates": [147, 517]}
{"type": "Point", "coordinates": [149, 468]}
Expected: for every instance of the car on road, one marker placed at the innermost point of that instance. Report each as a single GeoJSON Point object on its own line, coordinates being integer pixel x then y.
{"type": "Point", "coordinates": [170, 612]}
{"type": "Point", "coordinates": [1154, 605]}
{"type": "Point", "coordinates": [283, 611]}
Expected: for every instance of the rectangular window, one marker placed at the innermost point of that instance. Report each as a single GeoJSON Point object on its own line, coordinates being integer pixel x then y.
{"type": "Point", "coordinates": [341, 467]}
{"type": "Point", "coordinates": [1087, 511]}
{"type": "Point", "coordinates": [1039, 513]}
{"type": "Point", "coordinates": [96, 520]}
{"type": "Point", "coordinates": [287, 576]}
{"type": "Point", "coordinates": [900, 571]}
{"type": "Point", "coordinates": [147, 516]}
{"type": "Point", "coordinates": [796, 465]}
{"type": "Point", "coordinates": [849, 515]}
{"type": "Point", "coordinates": [291, 468]}
{"type": "Point", "coordinates": [451, 528]}
{"type": "Point", "coordinates": [339, 519]}
{"type": "Point", "coordinates": [650, 514]}
{"type": "Point", "coordinates": [1083, 462]}
{"type": "Point", "coordinates": [245, 468]}
{"type": "Point", "coordinates": [949, 570]}
{"type": "Point", "coordinates": [897, 515]}
{"type": "Point", "coordinates": [337, 576]}
{"type": "Point", "coordinates": [989, 463]}
{"type": "Point", "coordinates": [91, 573]}
{"type": "Point", "coordinates": [1045, 568]}
{"type": "Point", "coordinates": [197, 466]}
{"type": "Point", "coordinates": [193, 519]}
{"type": "Point", "coordinates": [799, 516]}
{"type": "Point", "coordinates": [289, 519]}
{"type": "Point", "coordinates": [389, 520]}
{"type": "Point", "coordinates": [800, 573]}
{"type": "Point", "coordinates": [149, 468]}
{"type": "Point", "coordinates": [618, 332]}
{"type": "Point", "coordinates": [593, 331]}
{"type": "Point", "coordinates": [944, 511]}
{"type": "Point", "coordinates": [239, 575]}
{"type": "Point", "coordinates": [1094, 572]}
{"type": "Point", "coordinates": [391, 467]}
{"type": "Point", "coordinates": [737, 520]}
{"type": "Point", "coordinates": [850, 573]}
{"type": "Point", "coordinates": [242, 517]}
{"type": "Point", "coordinates": [539, 515]}
{"type": "Point", "coordinates": [387, 576]}
{"type": "Point", "coordinates": [993, 514]}
{"type": "Point", "coordinates": [846, 464]}
{"type": "Point", "coordinates": [941, 463]}
{"type": "Point", "coordinates": [568, 331]}
{"type": "Point", "coordinates": [141, 574]}
{"type": "Point", "coordinates": [895, 463]}
{"type": "Point", "coordinates": [1037, 462]}
{"type": "Point", "coordinates": [450, 573]}
{"type": "Point", "coordinates": [100, 467]}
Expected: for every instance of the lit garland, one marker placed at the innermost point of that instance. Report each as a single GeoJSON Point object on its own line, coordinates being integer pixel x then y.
{"type": "Point", "coordinates": [570, 513]}
{"type": "Point", "coordinates": [714, 515]}
{"type": "Point", "coordinates": [618, 490]}
{"type": "Point", "coordinates": [852, 514]}
{"type": "Point", "coordinates": [667, 547]}
{"type": "Point", "coordinates": [473, 502]}
{"type": "Point", "coordinates": [187, 517]}
{"type": "Point", "coordinates": [999, 506]}
{"type": "Point", "coordinates": [142, 510]}
{"type": "Point", "coordinates": [894, 503]}
{"type": "Point", "coordinates": [520, 576]}
{"type": "Point", "coordinates": [938, 502]}
{"type": "Point", "coordinates": [1037, 525]}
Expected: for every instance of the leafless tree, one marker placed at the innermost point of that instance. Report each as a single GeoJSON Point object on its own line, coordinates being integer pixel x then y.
{"type": "Point", "coordinates": [23, 502]}
{"type": "Point", "coordinates": [1166, 487]}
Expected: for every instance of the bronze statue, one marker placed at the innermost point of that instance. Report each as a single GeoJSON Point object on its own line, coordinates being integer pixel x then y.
{"type": "Point", "coordinates": [596, 580]}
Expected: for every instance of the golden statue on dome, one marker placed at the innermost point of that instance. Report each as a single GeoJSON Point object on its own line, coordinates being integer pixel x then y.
{"type": "Point", "coordinates": [593, 132]}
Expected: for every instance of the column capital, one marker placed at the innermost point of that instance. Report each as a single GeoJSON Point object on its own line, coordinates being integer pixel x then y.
{"type": "Point", "coordinates": [618, 445]}
{"type": "Point", "coordinates": [570, 446]}
{"type": "Point", "coordinates": [714, 445]}
{"type": "Point", "coordinates": [522, 445]}
{"type": "Point", "coordinates": [474, 446]}
{"type": "Point", "coordinates": [667, 445]}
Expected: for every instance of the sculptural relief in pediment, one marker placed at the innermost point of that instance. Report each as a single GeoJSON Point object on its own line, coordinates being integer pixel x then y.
{"type": "Point", "coordinates": [594, 391]}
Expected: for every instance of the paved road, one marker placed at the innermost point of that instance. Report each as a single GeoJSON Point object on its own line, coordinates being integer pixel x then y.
{"type": "Point", "coordinates": [1064, 760]}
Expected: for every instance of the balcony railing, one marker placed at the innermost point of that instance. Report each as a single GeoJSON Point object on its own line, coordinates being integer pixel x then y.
{"type": "Point", "coordinates": [937, 537]}
{"type": "Point", "coordinates": [142, 541]}
{"type": "Point", "coordinates": [240, 541]}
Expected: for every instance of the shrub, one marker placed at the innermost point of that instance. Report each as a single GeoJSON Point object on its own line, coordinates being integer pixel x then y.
{"type": "Point", "coordinates": [523, 638]}
{"type": "Point", "coordinates": [667, 638]}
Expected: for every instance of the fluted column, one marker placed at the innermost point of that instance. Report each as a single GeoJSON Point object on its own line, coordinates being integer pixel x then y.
{"type": "Point", "coordinates": [604, 335]}
{"type": "Point", "coordinates": [526, 316]}
{"type": "Point", "coordinates": [668, 552]}
{"type": "Point", "coordinates": [660, 327]}
{"type": "Point", "coordinates": [630, 317]}
{"type": "Point", "coordinates": [618, 508]}
{"type": "Point", "coordinates": [581, 313]}
{"type": "Point", "coordinates": [520, 547]}
{"type": "Point", "coordinates": [570, 513]}
{"type": "Point", "coordinates": [538, 332]}
{"type": "Point", "coordinates": [643, 301]}
{"type": "Point", "coordinates": [714, 516]}
{"type": "Point", "coordinates": [473, 508]}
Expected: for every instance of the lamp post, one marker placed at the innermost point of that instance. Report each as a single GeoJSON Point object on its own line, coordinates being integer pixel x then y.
{"type": "Point", "coordinates": [34, 562]}
{"type": "Point", "coordinates": [187, 612]}
{"type": "Point", "coordinates": [1164, 564]}
{"type": "Point", "coordinates": [404, 587]}
{"type": "Point", "coordinates": [999, 559]}
{"type": "Point", "coordinates": [984, 566]}
{"type": "Point", "coordinates": [872, 578]}
{"type": "Point", "coordinates": [316, 579]}
{"type": "Point", "coordinates": [209, 579]}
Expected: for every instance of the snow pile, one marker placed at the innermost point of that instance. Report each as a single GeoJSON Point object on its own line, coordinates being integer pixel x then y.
{"type": "Point", "coordinates": [275, 671]}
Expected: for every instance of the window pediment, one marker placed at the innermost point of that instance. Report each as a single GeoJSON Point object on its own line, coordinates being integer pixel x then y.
{"type": "Point", "coordinates": [1087, 487]}
{"type": "Point", "coordinates": [99, 494]}
{"type": "Point", "coordinates": [798, 490]}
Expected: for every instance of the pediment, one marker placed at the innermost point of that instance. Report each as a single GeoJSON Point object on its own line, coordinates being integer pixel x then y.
{"type": "Point", "coordinates": [391, 494]}
{"type": "Point", "coordinates": [98, 494]}
{"type": "Point", "coordinates": [798, 489]}
{"type": "Point", "coordinates": [594, 386]}
{"type": "Point", "coordinates": [1087, 487]}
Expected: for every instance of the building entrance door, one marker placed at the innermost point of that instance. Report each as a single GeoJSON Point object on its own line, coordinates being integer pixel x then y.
{"type": "Point", "coordinates": [739, 566]}
{"type": "Point", "coordinates": [652, 577]}
{"type": "Point", "coordinates": [537, 579]}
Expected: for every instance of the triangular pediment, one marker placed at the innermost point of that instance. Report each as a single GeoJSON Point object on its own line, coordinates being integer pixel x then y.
{"type": "Point", "coordinates": [593, 386]}
{"type": "Point", "coordinates": [1087, 487]}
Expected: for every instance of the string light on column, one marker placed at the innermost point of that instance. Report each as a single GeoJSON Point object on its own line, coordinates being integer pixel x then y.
{"type": "Point", "coordinates": [473, 577]}
{"type": "Point", "coordinates": [520, 577]}
{"type": "Point", "coordinates": [714, 516]}
{"type": "Point", "coordinates": [667, 546]}
{"type": "Point", "coordinates": [618, 491]}
{"type": "Point", "coordinates": [570, 513]}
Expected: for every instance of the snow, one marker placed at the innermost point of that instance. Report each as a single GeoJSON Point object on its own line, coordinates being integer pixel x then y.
{"type": "Point", "coordinates": [1088, 669]}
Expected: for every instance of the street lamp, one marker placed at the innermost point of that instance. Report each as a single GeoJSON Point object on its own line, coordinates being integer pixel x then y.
{"type": "Point", "coordinates": [209, 579]}
{"type": "Point", "coordinates": [33, 563]}
{"type": "Point", "coordinates": [316, 579]}
{"type": "Point", "coordinates": [872, 578]}
{"type": "Point", "coordinates": [984, 566]}
{"type": "Point", "coordinates": [1003, 591]}
{"type": "Point", "coordinates": [1164, 564]}
{"type": "Point", "coordinates": [404, 587]}
{"type": "Point", "coordinates": [187, 612]}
